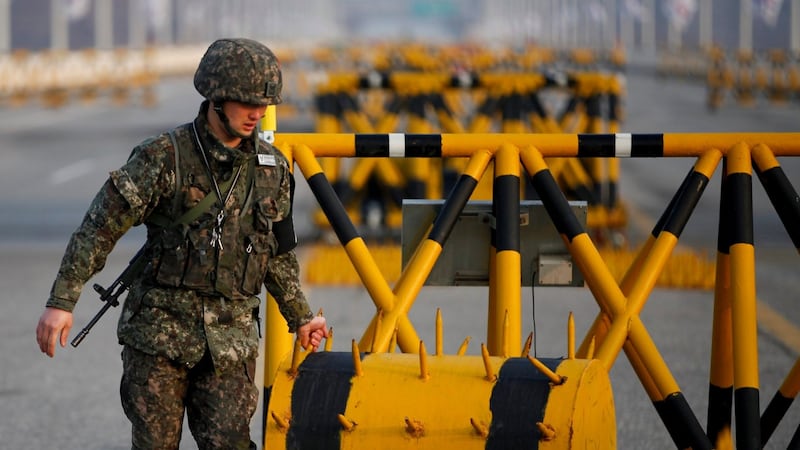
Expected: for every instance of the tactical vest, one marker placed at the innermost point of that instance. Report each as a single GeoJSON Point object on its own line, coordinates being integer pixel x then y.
{"type": "Point", "coordinates": [236, 265]}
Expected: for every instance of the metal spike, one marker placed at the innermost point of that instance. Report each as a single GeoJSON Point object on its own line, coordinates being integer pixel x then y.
{"type": "Point", "coordinates": [590, 350]}
{"type": "Point", "coordinates": [347, 424]}
{"type": "Point", "coordinates": [528, 343]}
{"type": "Point", "coordinates": [571, 336]}
{"type": "Point", "coordinates": [359, 371]}
{"type": "Point", "coordinates": [296, 353]}
{"type": "Point", "coordinates": [414, 428]}
{"type": "Point", "coordinates": [547, 432]}
{"type": "Point", "coordinates": [480, 427]}
{"type": "Point", "coordinates": [463, 349]}
{"type": "Point", "coordinates": [487, 364]}
{"type": "Point", "coordinates": [329, 340]}
{"type": "Point", "coordinates": [423, 362]}
{"type": "Point", "coordinates": [283, 424]}
{"type": "Point", "coordinates": [439, 333]}
{"type": "Point", "coordinates": [555, 378]}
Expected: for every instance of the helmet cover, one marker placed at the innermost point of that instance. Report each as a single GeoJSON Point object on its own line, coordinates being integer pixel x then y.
{"type": "Point", "coordinates": [241, 70]}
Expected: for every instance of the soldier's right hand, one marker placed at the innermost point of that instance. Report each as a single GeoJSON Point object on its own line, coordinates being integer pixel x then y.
{"type": "Point", "coordinates": [54, 325]}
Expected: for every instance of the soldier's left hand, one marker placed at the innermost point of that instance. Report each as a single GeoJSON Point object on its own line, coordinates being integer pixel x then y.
{"type": "Point", "coordinates": [312, 333]}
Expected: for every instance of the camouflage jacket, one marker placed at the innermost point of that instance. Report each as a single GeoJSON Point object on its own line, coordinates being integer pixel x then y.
{"type": "Point", "coordinates": [193, 295]}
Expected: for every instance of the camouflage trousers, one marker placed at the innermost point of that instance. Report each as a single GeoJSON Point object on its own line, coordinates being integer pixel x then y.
{"type": "Point", "coordinates": [155, 393]}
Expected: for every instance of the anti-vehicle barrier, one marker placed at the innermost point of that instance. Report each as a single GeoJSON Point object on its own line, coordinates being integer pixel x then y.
{"type": "Point", "coordinates": [748, 77]}
{"type": "Point", "coordinates": [340, 382]}
{"type": "Point", "coordinates": [503, 100]}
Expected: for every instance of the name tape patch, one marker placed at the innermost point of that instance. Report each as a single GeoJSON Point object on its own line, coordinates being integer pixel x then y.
{"type": "Point", "coordinates": [266, 160]}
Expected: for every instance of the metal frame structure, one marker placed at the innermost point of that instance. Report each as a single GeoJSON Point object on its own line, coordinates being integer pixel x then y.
{"type": "Point", "coordinates": [734, 368]}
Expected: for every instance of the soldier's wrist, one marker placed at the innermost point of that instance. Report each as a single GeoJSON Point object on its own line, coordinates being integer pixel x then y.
{"type": "Point", "coordinates": [302, 320]}
{"type": "Point", "coordinates": [65, 290]}
{"type": "Point", "coordinates": [60, 303]}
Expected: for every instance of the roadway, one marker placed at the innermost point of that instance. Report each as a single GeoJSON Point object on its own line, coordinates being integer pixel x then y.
{"type": "Point", "coordinates": [53, 161]}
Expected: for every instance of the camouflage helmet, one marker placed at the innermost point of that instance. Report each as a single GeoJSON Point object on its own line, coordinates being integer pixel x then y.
{"type": "Point", "coordinates": [241, 70]}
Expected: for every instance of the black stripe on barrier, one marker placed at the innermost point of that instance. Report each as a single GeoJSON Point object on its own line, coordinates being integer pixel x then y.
{"type": "Point", "coordinates": [613, 104]}
{"type": "Point", "coordinates": [536, 105]}
{"type": "Point", "coordinates": [319, 395]}
{"type": "Point", "coordinates": [512, 108]}
{"type": "Point", "coordinates": [465, 80]}
{"type": "Point", "coordinates": [741, 185]}
{"type": "Point", "coordinates": [784, 199]}
{"type": "Point", "coordinates": [332, 207]}
{"type": "Point", "coordinates": [417, 106]}
{"type": "Point", "coordinates": [748, 422]}
{"type": "Point", "coordinates": [423, 145]}
{"type": "Point", "coordinates": [611, 145]}
{"type": "Point", "coordinates": [347, 103]}
{"type": "Point", "coordinates": [662, 220]}
{"type": "Point", "coordinates": [695, 186]}
{"type": "Point", "coordinates": [611, 201]}
{"type": "Point", "coordinates": [773, 414]}
{"type": "Point", "coordinates": [506, 202]}
{"type": "Point", "coordinates": [720, 406]}
{"type": "Point", "coordinates": [556, 205]}
{"type": "Point", "coordinates": [327, 104]}
{"type": "Point", "coordinates": [374, 80]}
{"type": "Point", "coordinates": [681, 423]}
{"type": "Point", "coordinates": [724, 236]}
{"type": "Point", "coordinates": [414, 145]}
{"type": "Point", "coordinates": [372, 145]}
{"type": "Point", "coordinates": [599, 145]}
{"type": "Point", "coordinates": [518, 401]}
{"type": "Point", "coordinates": [647, 145]}
{"type": "Point", "coordinates": [488, 107]}
{"type": "Point", "coordinates": [452, 208]}
{"type": "Point", "coordinates": [795, 442]}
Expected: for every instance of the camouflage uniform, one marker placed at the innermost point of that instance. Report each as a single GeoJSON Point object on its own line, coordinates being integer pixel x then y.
{"type": "Point", "coordinates": [187, 325]}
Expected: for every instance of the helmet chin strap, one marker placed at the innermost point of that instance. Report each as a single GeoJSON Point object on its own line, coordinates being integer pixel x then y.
{"type": "Point", "coordinates": [226, 123]}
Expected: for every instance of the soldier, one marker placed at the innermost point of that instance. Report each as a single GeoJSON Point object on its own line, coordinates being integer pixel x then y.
{"type": "Point", "coordinates": [216, 201]}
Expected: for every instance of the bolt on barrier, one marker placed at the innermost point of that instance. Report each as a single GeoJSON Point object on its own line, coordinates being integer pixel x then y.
{"type": "Point", "coordinates": [618, 327]}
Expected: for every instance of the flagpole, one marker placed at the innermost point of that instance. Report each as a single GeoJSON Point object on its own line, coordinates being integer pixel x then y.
{"type": "Point", "coordinates": [59, 29]}
{"type": "Point", "coordinates": [745, 26]}
{"type": "Point", "coordinates": [795, 27]}
{"type": "Point", "coordinates": [705, 32]}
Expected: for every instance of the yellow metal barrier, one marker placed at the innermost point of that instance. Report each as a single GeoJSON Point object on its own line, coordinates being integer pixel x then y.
{"type": "Point", "coordinates": [511, 97]}
{"type": "Point", "coordinates": [749, 76]}
{"type": "Point", "coordinates": [349, 382]}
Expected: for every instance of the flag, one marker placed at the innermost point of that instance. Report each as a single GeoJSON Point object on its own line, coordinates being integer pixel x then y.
{"type": "Point", "coordinates": [635, 9]}
{"type": "Point", "coordinates": [597, 12]}
{"type": "Point", "coordinates": [680, 12]}
{"type": "Point", "coordinates": [158, 13]}
{"type": "Point", "coordinates": [769, 10]}
{"type": "Point", "coordinates": [76, 9]}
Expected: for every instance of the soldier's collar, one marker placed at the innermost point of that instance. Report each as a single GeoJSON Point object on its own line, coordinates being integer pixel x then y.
{"type": "Point", "coordinates": [215, 148]}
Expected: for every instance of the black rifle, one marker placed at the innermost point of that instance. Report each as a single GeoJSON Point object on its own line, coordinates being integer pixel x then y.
{"type": "Point", "coordinates": [111, 295]}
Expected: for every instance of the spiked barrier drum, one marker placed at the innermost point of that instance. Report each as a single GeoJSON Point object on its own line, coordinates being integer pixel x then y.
{"type": "Point", "coordinates": [402, 400]}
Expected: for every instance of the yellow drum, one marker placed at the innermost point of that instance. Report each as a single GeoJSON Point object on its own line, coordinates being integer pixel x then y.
{"type": "Point", "coordinates": [383, 400]}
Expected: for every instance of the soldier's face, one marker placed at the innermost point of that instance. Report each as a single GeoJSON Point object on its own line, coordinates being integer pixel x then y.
{"type": "Point", "coordinates": [243, 117]}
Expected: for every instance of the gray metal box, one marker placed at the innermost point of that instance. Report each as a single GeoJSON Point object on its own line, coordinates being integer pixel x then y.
{"type": "Point", "coordinates": [464, 260]}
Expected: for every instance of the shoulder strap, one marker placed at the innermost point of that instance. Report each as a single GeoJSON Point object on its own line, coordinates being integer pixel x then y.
{"type": "Point", "coordinates": [178, 178]}
{"type": "Point", "coordinates": [198, 209]}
